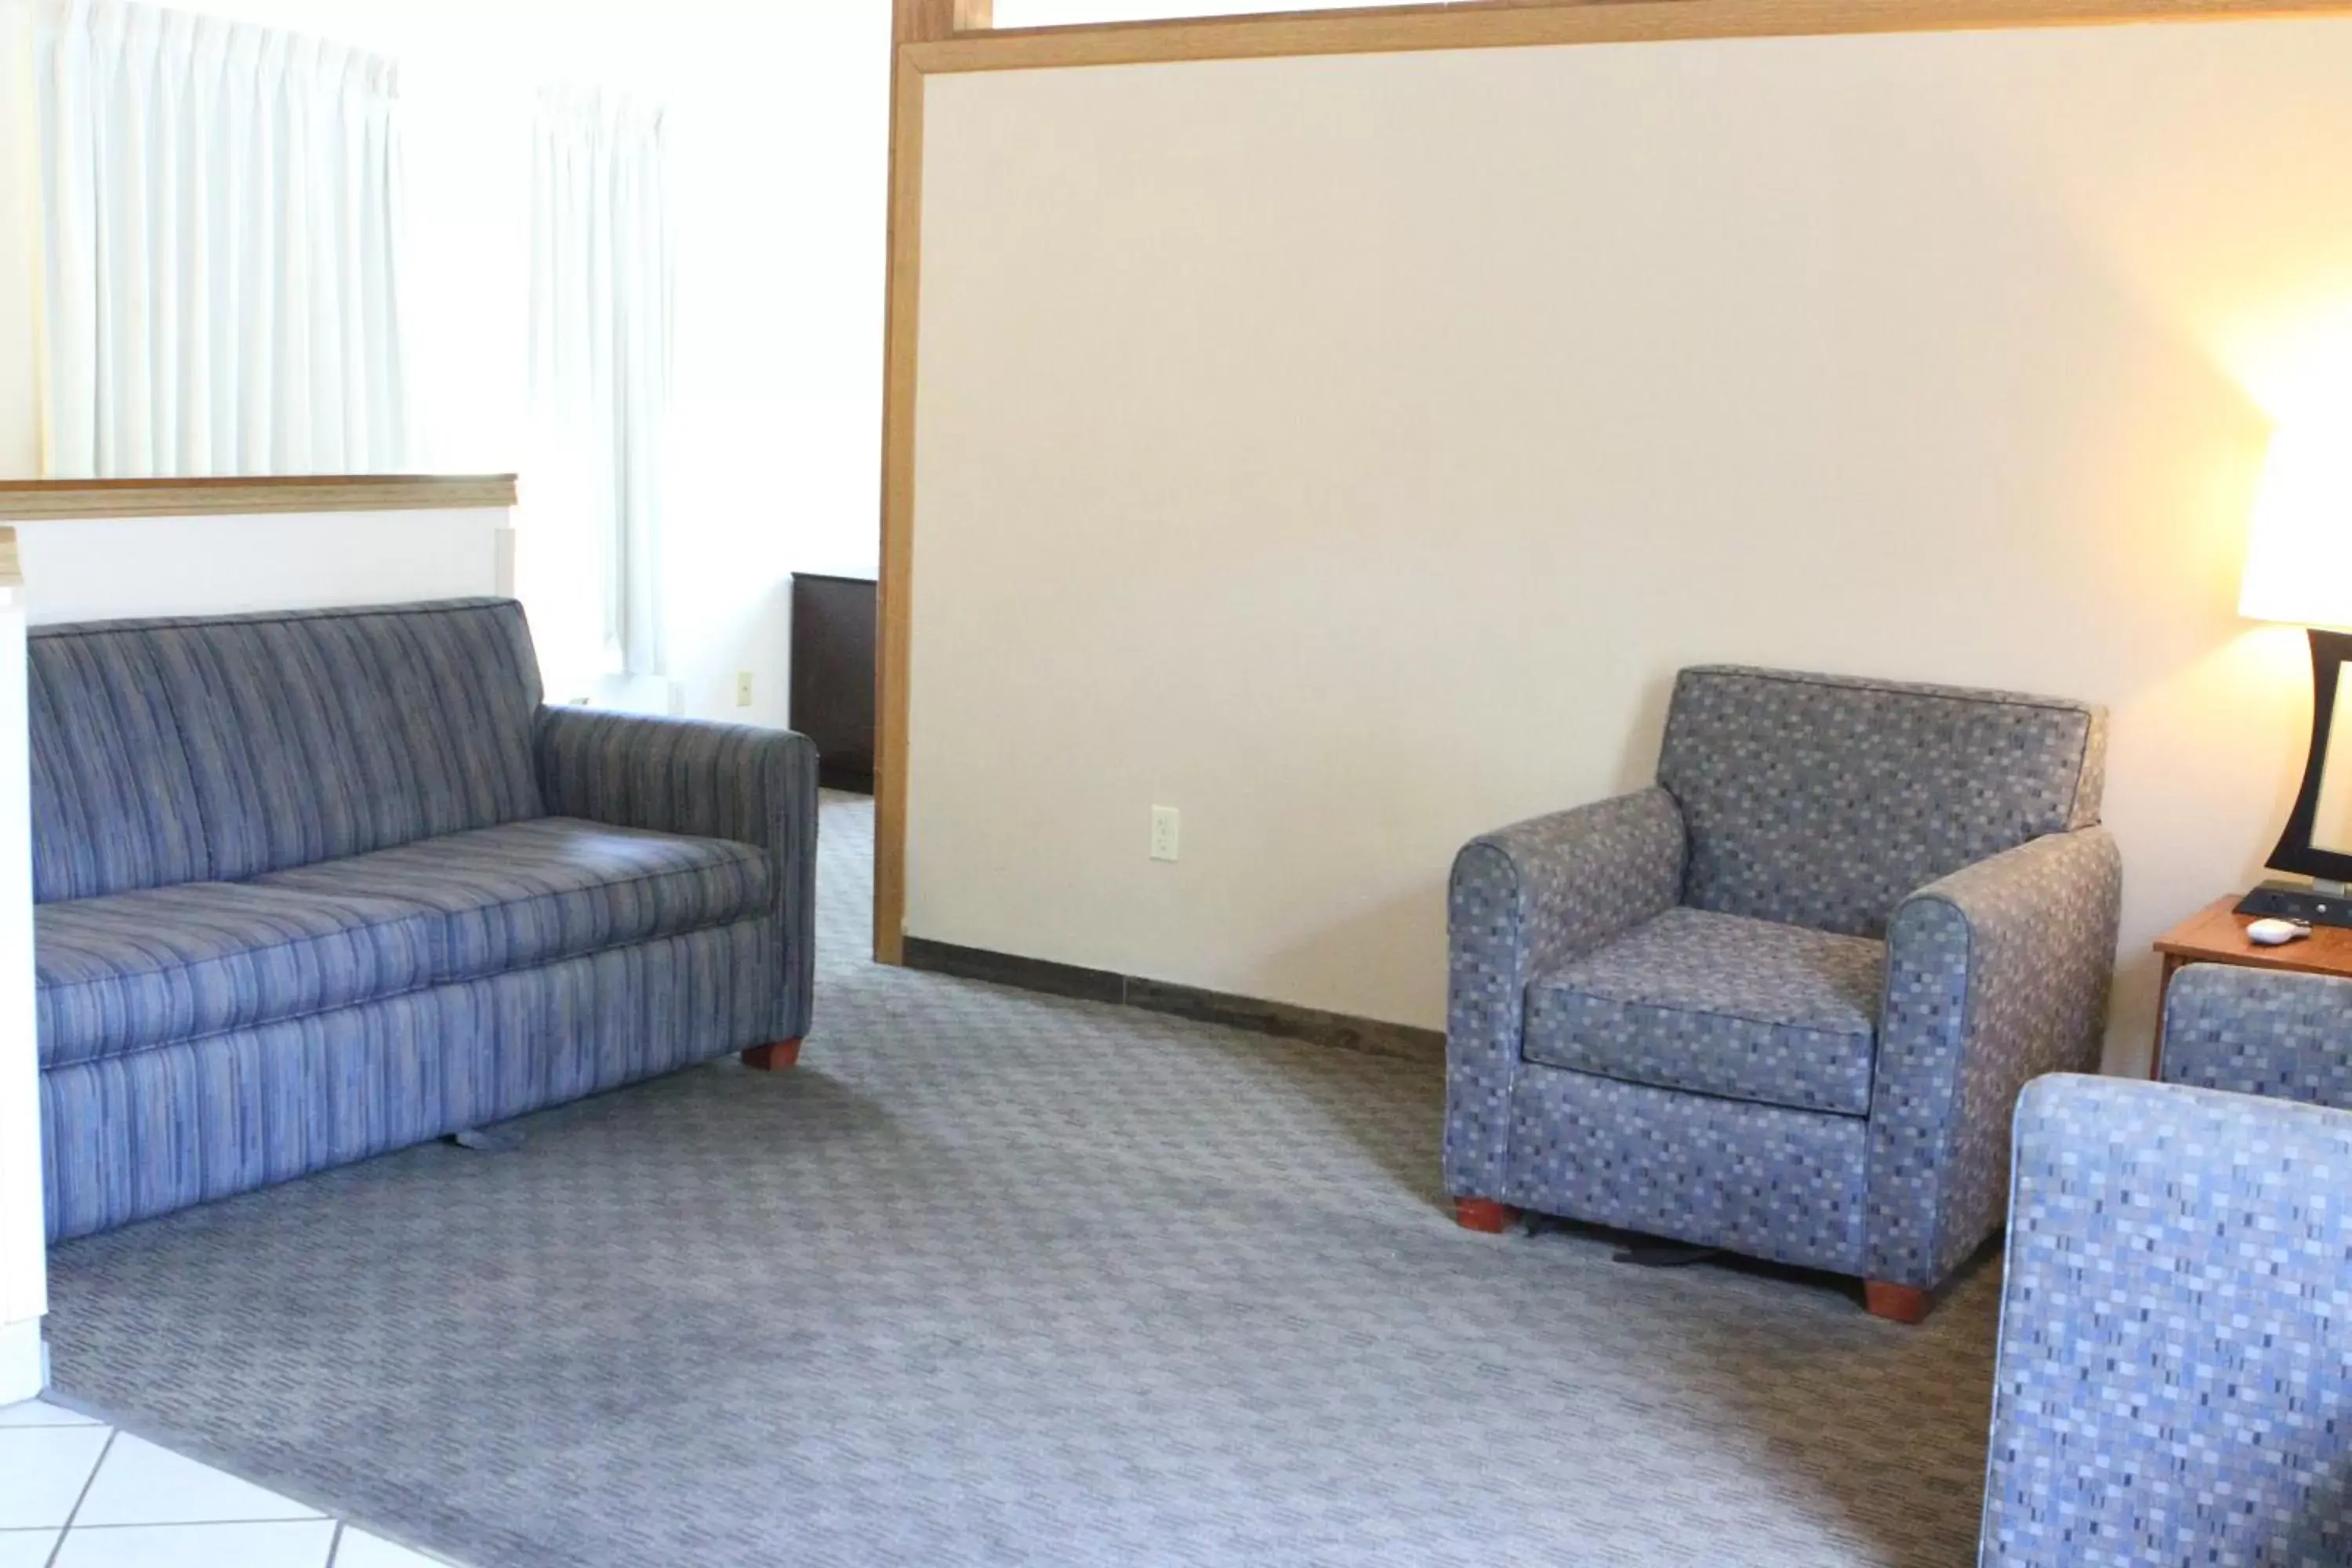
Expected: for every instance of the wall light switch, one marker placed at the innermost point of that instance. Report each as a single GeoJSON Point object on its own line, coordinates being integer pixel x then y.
{"type": "Point", "coordinates": [742, 689]}
{"type": "Point", "coordinates": [1164, 823]}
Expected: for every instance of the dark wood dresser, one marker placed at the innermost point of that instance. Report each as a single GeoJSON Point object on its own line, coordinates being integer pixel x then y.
{"type": "Point", "coordinates": [832, 675]}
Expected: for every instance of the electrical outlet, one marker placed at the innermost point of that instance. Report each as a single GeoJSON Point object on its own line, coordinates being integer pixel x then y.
{"type": "Point", "coordinates": [1165, 820]}
{"type": "Point", "coordinates": [742, 689]}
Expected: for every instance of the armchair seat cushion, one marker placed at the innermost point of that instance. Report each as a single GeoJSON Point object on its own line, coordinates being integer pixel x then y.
{"type": "Point", "coordinates": [526, 893]}
{"type": "Point", "coordinates": [1720, 1005]}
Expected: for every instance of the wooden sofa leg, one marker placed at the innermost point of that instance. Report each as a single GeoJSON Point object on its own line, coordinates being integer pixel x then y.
{"type": "Point", "coordinates": [1484, 1215]}
{"type": "Point", "coordinates": [772, 1057]}
{"type": "Point", "coordinates": [1895, 1303]}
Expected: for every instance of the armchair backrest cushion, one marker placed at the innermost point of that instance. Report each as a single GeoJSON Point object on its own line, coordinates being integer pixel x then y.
{"type": "Point", "coordinates": [224, 747]}
{"type": "Point", "coordinates": [1823, 801]}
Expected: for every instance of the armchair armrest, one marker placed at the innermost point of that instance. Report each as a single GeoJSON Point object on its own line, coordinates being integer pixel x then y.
{"type": "Point", "coordinates": [1522, 900]}
{"type": "Point", "coordinates": [2256, 1031]}
{"type": "Point", "coordinates": [2171, 1331]}
{"type": "Point", "coordinates": [713, 781]}
{"type": "Point", "coordinates": [1995, 974]}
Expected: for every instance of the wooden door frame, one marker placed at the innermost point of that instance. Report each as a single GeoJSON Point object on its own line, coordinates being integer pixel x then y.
{"type": "Point", "coordinates": [954, 35]}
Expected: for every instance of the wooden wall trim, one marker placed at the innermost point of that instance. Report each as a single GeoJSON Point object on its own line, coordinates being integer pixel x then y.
{"type": "Point", "coordinates": [913, 22]}
{"type": "Point", "coordinates": [1506, 23]}
{"type": "Point", "coordinates": [1283, 1019]}
{"type": "Point", "coordinates": [91, 501]}
{"type": "Point", "coordinates": [921, 21]}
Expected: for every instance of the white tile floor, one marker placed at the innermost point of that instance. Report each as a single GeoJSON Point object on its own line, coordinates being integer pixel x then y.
{"type": "Point", "coordinates": [77, 1493]}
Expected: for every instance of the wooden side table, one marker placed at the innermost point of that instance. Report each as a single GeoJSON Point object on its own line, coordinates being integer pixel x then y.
{"type": "Point", "coordinates": [2215, 934]}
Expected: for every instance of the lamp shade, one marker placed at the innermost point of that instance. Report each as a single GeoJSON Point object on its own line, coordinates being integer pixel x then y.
{"type": "Point", "coordinates": [2299, 554]}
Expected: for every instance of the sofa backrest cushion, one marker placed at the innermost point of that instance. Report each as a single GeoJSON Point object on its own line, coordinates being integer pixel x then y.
{"type": "Point", "coordinates": [1823, 801]}
{"type": "Point", "coordinates": [224, 747]}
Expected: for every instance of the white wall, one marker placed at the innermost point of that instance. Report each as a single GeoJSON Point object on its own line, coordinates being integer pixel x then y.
{"type": "Point", "coordinates": [223, 566]}
{"type": "Point", "coordinates": [779, 134]}
{"type": "Point", "coordinates": [1347, 451]}
{"type": "Point", "coordinates": [778, 127]}
{"type": "Point", "coordinates": [23, 1276]}
{"type": "Point", "coordinates": [24, 1297]}
{"type": "Point", "coordinates": [20, 430]}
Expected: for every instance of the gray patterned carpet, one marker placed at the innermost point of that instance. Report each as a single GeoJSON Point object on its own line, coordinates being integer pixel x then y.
{"type": "Point", "coordinates": [1000, 1278]}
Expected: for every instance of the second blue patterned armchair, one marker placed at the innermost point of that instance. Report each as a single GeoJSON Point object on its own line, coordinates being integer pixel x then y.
{"type": "Point", "coordinates": [2174, 1384]}
{"type": "Point", "coordinates": [1782, 1003]}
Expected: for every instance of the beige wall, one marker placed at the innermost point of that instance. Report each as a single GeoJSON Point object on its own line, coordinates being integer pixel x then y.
{"type": "Point", "coordinates": [1347, 451]}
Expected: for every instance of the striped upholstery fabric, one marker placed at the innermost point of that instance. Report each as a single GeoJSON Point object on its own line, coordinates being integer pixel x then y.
{"type": "Point", "coordinates": [713, 781]}
{"type": "Point", "coordinates": [170, 750]}
{"type": "Point", "coordinates": [503, 898]}
{"type": "Point", "coordinates": [137, 969]}
{"type": "Point", "coordinates": [134, 1136]}
{"type": "Point", "coordinates": [114, 801]}
{"type": "Point", "coordinates": [301, 899]}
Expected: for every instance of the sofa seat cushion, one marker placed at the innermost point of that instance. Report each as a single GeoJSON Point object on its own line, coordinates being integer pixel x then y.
{"type": "Point", "coordinates": [531, 892]}
{"type": "Point", "coordinates": [131, 970]}
{"type": "Point", "coordinates": [1721, 1005]}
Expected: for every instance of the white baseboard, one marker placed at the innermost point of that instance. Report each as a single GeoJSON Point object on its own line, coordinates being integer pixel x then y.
{"type": "Point", "coordinates": [23, 1373]}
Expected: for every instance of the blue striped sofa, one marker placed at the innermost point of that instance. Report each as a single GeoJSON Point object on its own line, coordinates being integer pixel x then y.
{"type": "Point", "coordinates": [314, 886]}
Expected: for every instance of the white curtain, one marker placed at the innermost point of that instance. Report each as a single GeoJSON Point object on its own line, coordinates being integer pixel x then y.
{"type": "Point", "coordinates": [220, 217]}
{"type": "Point", "coordinates": [599, 347]}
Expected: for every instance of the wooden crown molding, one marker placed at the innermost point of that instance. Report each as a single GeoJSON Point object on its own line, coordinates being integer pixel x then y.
{"type": "Point", "coordinates": [1504, 24]}
{"type": "Point", "coordinates": [94, 500]}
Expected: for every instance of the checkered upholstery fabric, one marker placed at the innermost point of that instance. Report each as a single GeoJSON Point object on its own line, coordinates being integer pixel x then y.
{"type": "Point", "coordinates": [1783, 1000]}
{"type": "Point", "coordinates": [2255, 1032]}
{"type": "Point", "coordinates": [1822, 801]}
{"type": "Point", "coordinates": [2174, 1384]}
{"type": "Point", "coordinates": [1718, 1004]}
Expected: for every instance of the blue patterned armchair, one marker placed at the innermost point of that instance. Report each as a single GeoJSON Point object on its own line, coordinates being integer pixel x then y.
{"type": "Point", "coordinates": [2256, 1031]}
{"type": "Point", "coordinates": [1783, 1001]}
{"type": "Point", "coordinates": [2174, 1383]}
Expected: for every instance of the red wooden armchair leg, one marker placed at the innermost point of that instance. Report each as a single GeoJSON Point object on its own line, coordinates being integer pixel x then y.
{"type": "Point", "coordinates": [772, 1057]}
{"type": "Point", "coordinates": [1484, 1214]}
{"type": "Point", "coordinates": [1896, 1303]}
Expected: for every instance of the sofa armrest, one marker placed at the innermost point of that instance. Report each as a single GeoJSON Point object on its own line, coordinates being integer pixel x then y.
{"type": "Point", "coordinates": [713, 781]}
{"type": "Point", "coordinates": [1995, 974]}
{"type": "Point", "coordinates": [1523, 899]}
{"type": "Point", "coordinates": [2172, 1309]}
{"type": "Point", "coordinates": [2256, 1031]}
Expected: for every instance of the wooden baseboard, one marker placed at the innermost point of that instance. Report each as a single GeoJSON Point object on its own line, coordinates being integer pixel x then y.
{"type": "Point", "coordinates": [1291, 1021]}
{"type": "Point", "coordinates": [1025, 974]}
